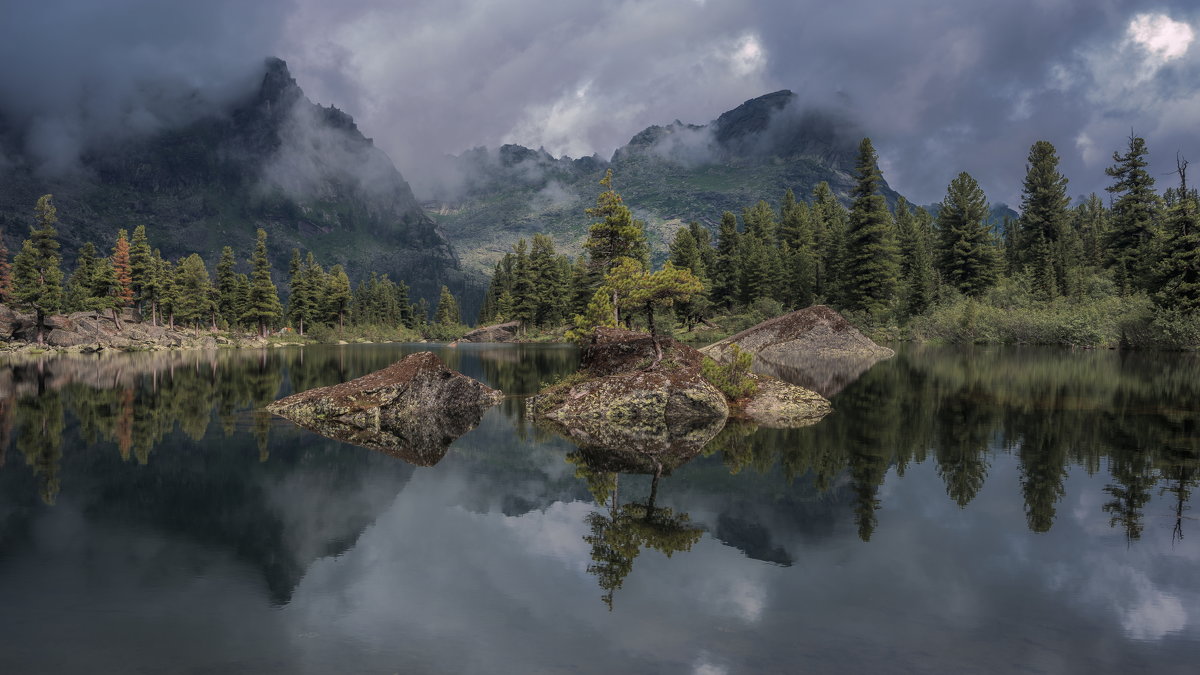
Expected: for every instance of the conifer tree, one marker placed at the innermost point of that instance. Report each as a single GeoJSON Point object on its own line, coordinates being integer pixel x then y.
{"type": "Point", "coordinates": [685, 254]}
{"type": "Point", "coordinates": [1044, 219]}
{"type": "Point", "coordinates": [921, 278]}
{"type": "Point", "coordinates": [194, 297]}
{"type": "Point", "coordinates": [227, 287]}
{"type": "Point", "coordinates": [263, 304]}
{"type": "Point", "coordinates": [123, 271]}
{"type": "Point", "coordinates": [79, 285]}
{"type": "Point", "coordinates": [447, 315]}
{"type": "Point", "coordinates": [524, 298]}
{"type": "Point", "coordinates": [1178, 273]}
{"type": "Point", "coordinates": [1091, 221]}
{"type": "Point", "coordinates": [617, 235]}
{"type": "Point", "coordinates": [152, 285]}
{"type": "Point", "coordinates": [104, 289]}
{"type": "Point", "coordinates": [141, 264]}
{"type": "Point", "coordinates": [37, 272]}
{"type": "Point", "coordinates": [871, 266]}
{"type": "Point", "coordinates": [5, 274]}
{"type": "Point", "coordinates": [968, 255]}
{"type": "Point", "coordinates": [829, 237]}
{"type": "Point", "coordinates": [1133, 216]}
{"type": "Point", "coordinates": [337, 299]}
{"type": "Point", "coordinates": [726, 275]}
{"type": "Point", "coordinates": [704, 244]}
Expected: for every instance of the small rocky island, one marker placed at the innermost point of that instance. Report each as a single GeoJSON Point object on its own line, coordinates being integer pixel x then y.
{"type": "Point", "coordinates": [413, 409]}
{"type": "Point", "coordinates": [619, 399]}
{"type": "Point", "coordinates": [815, 347]}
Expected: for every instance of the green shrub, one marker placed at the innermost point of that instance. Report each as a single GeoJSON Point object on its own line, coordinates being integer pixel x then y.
{"type": "Point", "coordinates": [733, 378]}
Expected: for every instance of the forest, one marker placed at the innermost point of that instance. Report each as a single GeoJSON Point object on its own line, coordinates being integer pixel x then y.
{"type": "Point", "coordinates": [1121, 274]}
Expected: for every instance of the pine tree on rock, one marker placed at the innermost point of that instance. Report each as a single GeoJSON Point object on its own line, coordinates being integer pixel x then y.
{"type": "Point", "coordinates": [1133, 216]}
{"type": "Point", "coordinates": [871, 265]}
{"type": "Point", "coordinates": [37, 272]}
{"type": "Point", "coordinates": [263, 305]}
{"type": "Point", "coordinates": [968, 256]}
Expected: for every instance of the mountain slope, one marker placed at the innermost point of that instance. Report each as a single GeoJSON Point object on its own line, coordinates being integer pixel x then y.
{"type": "Point", "coordinates": [274, 160]}
{"type": "Point", "coordinates": [669, 175]}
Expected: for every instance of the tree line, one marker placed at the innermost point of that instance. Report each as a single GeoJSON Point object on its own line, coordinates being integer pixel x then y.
{"type": "Point", "coordinates": [182, 292]}
{"type": "Point", "coordinates": [883, 264]}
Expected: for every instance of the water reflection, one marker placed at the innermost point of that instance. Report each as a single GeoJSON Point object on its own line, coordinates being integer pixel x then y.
{"type": "Point", "coordinates": [1131, 416]}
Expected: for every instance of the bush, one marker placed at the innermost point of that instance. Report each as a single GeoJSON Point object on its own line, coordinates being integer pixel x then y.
{"type": "Point", "coordinates": [733, 378]}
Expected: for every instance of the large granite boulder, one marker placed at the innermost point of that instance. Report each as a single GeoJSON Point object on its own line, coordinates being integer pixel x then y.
{"type": "Point", "coordinates": [413, 409]}
{"type": "Point", "coordinates": [815, 347]}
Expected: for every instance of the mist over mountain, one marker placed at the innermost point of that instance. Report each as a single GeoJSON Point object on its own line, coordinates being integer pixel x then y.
{"type": "Point", "coordinates": [485, 199]}
{"type": "Point", "coordinates": [268, 158]}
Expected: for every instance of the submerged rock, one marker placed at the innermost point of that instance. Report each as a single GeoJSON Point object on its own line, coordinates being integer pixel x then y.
{"type": "Point", "coordinates": [413, 409]}
{"type": "Point", "coordinates": [815, 347]}
{"type": "Point", "coordinates": [501, 332]}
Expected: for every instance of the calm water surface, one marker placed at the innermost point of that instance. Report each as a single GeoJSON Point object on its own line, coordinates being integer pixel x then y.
{"type": "Point", "coordinates": [963, 510]}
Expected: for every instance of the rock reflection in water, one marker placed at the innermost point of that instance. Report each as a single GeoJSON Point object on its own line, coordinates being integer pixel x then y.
{"type": "Point", "coordinates": [422, 441]}
{"type": "Point", "coordinates": [619, 534]}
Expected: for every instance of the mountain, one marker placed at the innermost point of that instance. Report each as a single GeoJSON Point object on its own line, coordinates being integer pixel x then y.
{"type": "Point", "coordinates": [669, 175]}
{"type": "Point", "coordinates": [303, 172]}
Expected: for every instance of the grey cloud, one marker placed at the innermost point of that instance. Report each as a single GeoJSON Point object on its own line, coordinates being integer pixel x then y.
{"type": "Point", "coordinates": [79, 74]}
{"type": "Point", "coordinates": [941, 87]}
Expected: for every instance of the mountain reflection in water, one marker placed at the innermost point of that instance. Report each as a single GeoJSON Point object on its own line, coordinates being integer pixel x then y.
{"type": "Point", "coordinates": [1084, 446]}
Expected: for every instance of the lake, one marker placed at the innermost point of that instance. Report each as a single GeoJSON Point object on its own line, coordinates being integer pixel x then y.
{"type": "Point", "coordinates": [962, 510]}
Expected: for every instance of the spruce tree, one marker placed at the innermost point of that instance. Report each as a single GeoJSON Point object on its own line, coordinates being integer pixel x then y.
{"type": "Point", "coordinates": [921, 279]}
{"type": "Point", "coordinates": [968, 256]}
{"type": "Point", "coordinates": [1044, 219]}
{"type": "Point", "coordinates": [194, 298]}
{"type": "Point", "coordinates": [5, 274]}
{"type": "Point", "coordinates": [1133, 216]}
{"type": "Point", "coordinates": [79, 285]}
{"type": "Point", "coordinates": [141, 264]}
{"type": "Point", "coordinates": [227, 287]}
{"type": "Point", "coordinates": [37, 272]}
{"type": "Point", "coordinates": [337, 298]}
{"type": "Point", "coordinates": [871, 266]}
{"type": "Point", "coordinates": [263, 304]}
{"type": "Point", "coordinates": [447, 315]}
{"type": "Point", "coordinates": [1178, 273]}
{"type": "Point", "coordinates": [122, 269]}
{"type": "Point", "coordinates": [829, 237]}
{"type": "Point", "coordinates": [726, 275]}
{"type": "Point", "coordinates": [617, 235]}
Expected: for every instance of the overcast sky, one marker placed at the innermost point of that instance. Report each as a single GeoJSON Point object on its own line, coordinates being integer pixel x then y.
{"type": "Point", "coordinates": [942, 86]}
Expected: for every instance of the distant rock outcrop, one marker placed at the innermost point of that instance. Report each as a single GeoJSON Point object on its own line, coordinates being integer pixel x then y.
{"type": "Point", "coordinates": [413, 409]}
{"type": "Point", "coordinates": [815, 347]}
{"type": "Point", "coordinates": [501, 332]}
{"type": "Point", "coordinates": [94, 331]}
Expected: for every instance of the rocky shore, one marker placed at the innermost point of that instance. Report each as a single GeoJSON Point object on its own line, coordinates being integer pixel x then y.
{"type": "Point", "coordinates": [94, 332]}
